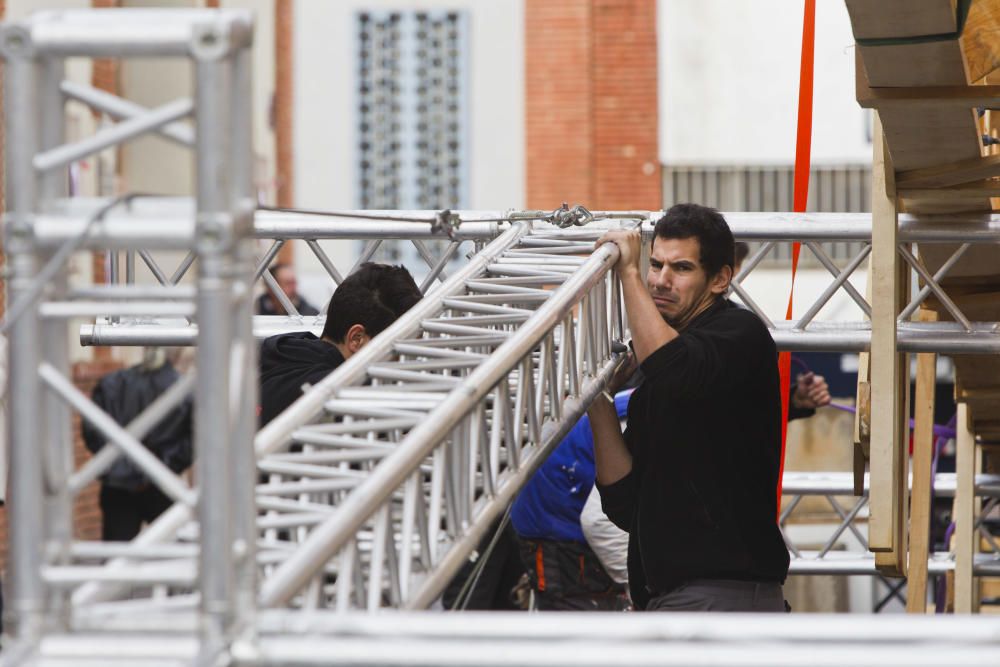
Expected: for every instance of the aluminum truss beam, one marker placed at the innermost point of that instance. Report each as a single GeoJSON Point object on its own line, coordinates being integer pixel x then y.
{"type": "Point", "coordinates": [476, 384]}
{"type": "Point", "coordinates": [837, 490]}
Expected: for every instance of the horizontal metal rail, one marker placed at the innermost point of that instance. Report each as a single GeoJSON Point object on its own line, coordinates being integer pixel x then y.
{"type": "Point", "coordinates": [808, 333]}
{"type": "Point", "coordinates": [122, 33]}
{"type": "Point", "coordinates": [504, 639]}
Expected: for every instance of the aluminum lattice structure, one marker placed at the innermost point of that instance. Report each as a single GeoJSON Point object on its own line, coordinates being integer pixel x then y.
{"type": "Point", "coordinates": [218, 231]}
{"type": "Point", "coordinates": [378, 483]}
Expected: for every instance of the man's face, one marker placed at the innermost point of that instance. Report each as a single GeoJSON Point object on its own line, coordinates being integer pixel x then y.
{"type": "Point", "coordinates": [677, 282]}
{"type": "Point", "coordinates": [287, 282]}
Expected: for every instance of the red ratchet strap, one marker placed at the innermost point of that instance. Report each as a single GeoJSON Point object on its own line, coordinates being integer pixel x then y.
{"type": "Point", "coordinates": [803, 144]}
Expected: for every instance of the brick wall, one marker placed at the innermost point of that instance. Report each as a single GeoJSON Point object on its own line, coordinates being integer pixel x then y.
{"type": "Point", "coordinates": [104, 75]}
{"type": "Point", "coordinates": [591, 104]}
{"type": "Point", "coordinates": [282, 108]}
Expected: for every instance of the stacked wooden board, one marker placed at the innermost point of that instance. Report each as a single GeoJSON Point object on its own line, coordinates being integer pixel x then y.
{"type": "Point", "coordinates": [926, 67]}
{"type": "Point", "coordinates": [933, 137]}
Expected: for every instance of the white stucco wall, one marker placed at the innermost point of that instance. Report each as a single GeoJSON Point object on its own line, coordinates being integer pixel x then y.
{"type": "Point", "coordinates": [729, 80]}
{"type": "Point", "coordinates": [325, 124]}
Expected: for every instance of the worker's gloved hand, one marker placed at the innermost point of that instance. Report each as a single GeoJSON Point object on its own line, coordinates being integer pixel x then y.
{"type": "Point", "coordinates": [811, 392]}
{"type": "Point", "coordinates": [621, 376]}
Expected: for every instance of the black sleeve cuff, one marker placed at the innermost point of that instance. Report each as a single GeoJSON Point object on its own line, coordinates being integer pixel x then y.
{"type": "Point", "coordinates": [618, 500]}
{"type": "Point", "coordinates": [799, 413]}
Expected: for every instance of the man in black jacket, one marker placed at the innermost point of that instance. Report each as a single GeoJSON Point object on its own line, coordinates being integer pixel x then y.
{"type": "Point", "coordinates": [694, 479]}
{"type": "Point", "coordinates": [366, 303]}
{"type": "Point", "coordinates": [128, 498]}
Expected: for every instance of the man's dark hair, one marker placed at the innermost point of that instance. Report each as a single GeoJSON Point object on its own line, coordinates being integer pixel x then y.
{"type": "Point", "coordinates": [742, 249]}
{"type": "Point", "coordinates": [685, 221]}
{"type": "Point", "coordinates": [374, 296]}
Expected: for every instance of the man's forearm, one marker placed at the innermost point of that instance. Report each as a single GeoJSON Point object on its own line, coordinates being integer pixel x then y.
{"type": "Point", "coordinates": [649, 330]}
{"type": "Point", "coordinates": [610, 453]}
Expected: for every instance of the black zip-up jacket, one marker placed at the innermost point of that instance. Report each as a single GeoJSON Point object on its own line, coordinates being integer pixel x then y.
{"type": "Point", "coordinates": [124, 394]}
{"type": "Point", "coordinates": [287, 362]}
{"type": "Point", "coordinates": [704, 430]}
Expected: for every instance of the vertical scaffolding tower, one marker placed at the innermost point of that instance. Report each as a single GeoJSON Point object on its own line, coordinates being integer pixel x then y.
{"type": "Point", "coordinates": [216, 43]}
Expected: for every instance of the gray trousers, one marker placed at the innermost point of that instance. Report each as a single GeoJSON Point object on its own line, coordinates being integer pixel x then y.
{"type": "Point", "coordinates": [721, 595]}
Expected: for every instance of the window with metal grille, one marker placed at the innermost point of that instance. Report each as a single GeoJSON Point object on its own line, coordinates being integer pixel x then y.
{"type": "Point", "coordinates": [844, 188]}
{"type": "Point", "coordinates": [411, 93]}
{"type": "Point", "coordinates": [411, 109]}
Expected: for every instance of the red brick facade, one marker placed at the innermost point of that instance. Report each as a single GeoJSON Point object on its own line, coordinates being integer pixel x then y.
{"type": "Point", "coordinates": [105, 75]}
{"type": "Point", "coordinates": [284, 90]}
{"type": "Point", "coordinates": [591, 104]}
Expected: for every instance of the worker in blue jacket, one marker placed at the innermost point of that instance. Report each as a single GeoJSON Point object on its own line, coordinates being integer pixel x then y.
{"type": "Point", "coordinates": [564, 571]}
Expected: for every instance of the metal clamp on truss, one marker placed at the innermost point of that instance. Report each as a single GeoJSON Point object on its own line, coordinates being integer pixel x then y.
{"type": "Point", "coordinates": [565, 216]}
{"type": "Point", "coordinates": [446, 221]}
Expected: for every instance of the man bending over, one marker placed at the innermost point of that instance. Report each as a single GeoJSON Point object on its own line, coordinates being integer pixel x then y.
{"type": "Point", "coordinates": [366, 303]}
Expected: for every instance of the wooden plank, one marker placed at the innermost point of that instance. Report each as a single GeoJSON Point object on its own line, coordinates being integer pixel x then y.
{"type": "Point", "coordinates": [920, 492]}
{"type": "Point", "coordinates": [988, 187]}
{"type": "Point", "coordinates": [922, 64]}
{"type": "Point", "coordinates": [954, 173]}
{"type": "Point", "coordinates": [884, 526]}
{"type": "Point", "coordinates": [979, 393]}
{"type": "Point", "coordinates": [968, 97]}
{"type": "Point", "coordinates": [877, 19]}
{"type": "Point", "coordinates": [979, 39]}
{"type": "Point", "coordinates": [927, 135]}
{"type": "Point", "coordinates": [964, 513]}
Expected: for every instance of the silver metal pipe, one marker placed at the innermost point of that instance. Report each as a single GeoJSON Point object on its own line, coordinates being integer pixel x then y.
{"type": "Point", "coordinates": [122, 109]}
{"type": "Point", "coordinates": [286, 225]}
{"type": "Point", "coordinates": [838, 282]}
{"type": "Point", "coordinates": [942, 296]}
{"type": "Point", "coordinates": [121, 33]}
{"type": "Point", "coordinates": [926, 289]}
{"type": "Point", "coordinates": [134, 292]}
{"type": "Point", "coordinates": [113, 135]}
{"type": "Point", "coordinates": [68, 309]}
{"type": "Point", "coordinates": [168, 223]}
{"type": "Point", "coordinates": [938, 337]}
{"type": "Point", "coordinates": [138, 428]}
{"type": "Point", "coordinates": [161, 572]}
{"type": "Point", "coordinates": [26, 590]}
{"type": "Point", "coordinates": [842, 484]}
{"type": "Point", "coordinates": [214, 439]}
{"type": "Point", "coordinates": [158, 473]}
{"type": "Point", "coordinates": [162, 529]}
{"type": "Point", "coordinates": [102, 550]}
{"type": "Point", "coordinates": [325, 261]}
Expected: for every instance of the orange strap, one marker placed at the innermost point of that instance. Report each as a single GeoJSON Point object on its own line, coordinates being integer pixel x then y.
{"type": "Point", "coordinates": [803, 145]}
{"type": "Point", "coordinates": [540, 567]}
